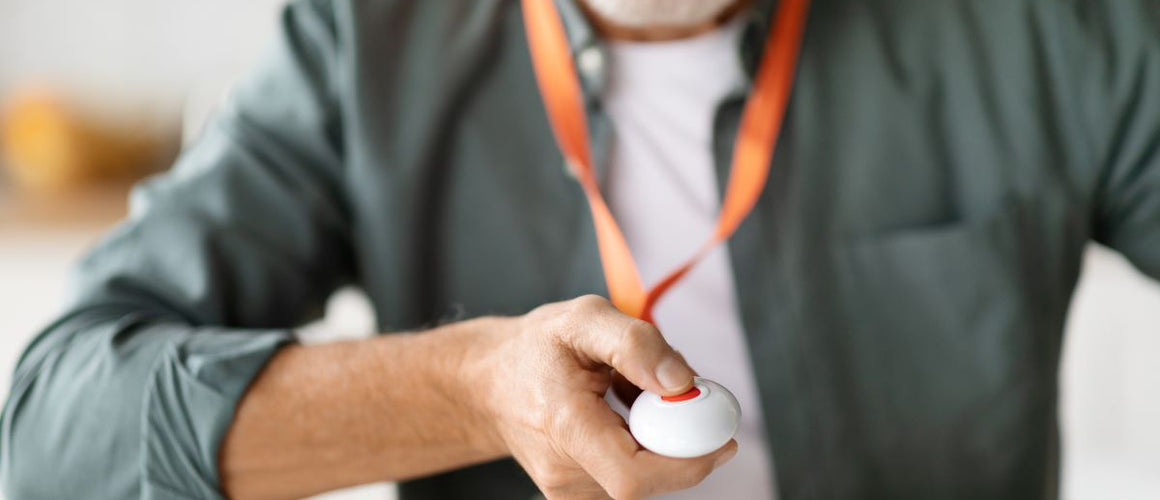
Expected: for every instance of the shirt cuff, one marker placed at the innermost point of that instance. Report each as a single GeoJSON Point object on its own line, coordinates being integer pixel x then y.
{"type": "Point", "coordinates": [189, 406]}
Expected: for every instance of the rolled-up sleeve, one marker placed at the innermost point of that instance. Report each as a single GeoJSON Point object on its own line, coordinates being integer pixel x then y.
{"type": "Point", "coordinates": [129, 393]}
{"type": "Point", "coordinates": [1124, 91]}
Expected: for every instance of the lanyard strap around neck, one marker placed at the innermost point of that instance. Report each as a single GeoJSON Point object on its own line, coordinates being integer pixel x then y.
{"type": "Point", "coordinates": [752, 152]}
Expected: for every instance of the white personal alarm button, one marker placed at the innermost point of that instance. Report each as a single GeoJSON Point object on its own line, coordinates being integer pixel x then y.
{"type": "Point", "coordinates": [687, 425]}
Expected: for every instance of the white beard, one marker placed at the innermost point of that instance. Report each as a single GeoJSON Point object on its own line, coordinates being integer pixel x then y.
{"type": "Point", "coordinates": [651, 13]}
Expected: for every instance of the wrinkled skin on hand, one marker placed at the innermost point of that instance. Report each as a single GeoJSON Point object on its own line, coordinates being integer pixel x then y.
{"type": "Point", "coordinates": [544, 385]}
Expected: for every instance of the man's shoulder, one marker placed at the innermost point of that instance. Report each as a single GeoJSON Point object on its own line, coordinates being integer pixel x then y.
{"type": "Point", "coordinates": [426, 29]}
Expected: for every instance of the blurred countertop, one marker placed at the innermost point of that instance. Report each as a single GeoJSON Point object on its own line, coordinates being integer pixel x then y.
{"type": "Point", "coordinates": [91, 209]}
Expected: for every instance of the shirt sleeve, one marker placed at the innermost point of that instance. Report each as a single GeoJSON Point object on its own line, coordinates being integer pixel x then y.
{"type": "Point", "coordinates": [1124, 106]}
{"type": "Point", "coordinates": [129, 393]}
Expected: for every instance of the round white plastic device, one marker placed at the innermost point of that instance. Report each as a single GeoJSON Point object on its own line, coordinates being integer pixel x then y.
{"type": "Point", "coordinates": [686, 426]}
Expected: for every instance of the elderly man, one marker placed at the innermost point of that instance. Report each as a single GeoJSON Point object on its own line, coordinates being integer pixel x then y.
{"type": "Point", "coordinates": [908, 228]}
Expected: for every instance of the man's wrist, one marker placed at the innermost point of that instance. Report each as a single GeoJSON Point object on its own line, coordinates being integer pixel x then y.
{"type": "Point", "coordinates": [465, 366]}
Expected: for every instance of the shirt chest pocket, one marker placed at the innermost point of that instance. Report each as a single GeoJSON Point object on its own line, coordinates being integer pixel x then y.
{"type": "Point", "coordinates": [959, 279]}
{"type": "Point", "coordinates": [947, 314]}
{"type": "Point", "coordinates": [946, 343]}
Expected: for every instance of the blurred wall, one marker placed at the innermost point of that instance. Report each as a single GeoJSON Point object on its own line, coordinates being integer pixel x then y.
{"type": "Point", "coordinates": [159, 50]}
{"type": "Point", "coordinates": [1111, 383]}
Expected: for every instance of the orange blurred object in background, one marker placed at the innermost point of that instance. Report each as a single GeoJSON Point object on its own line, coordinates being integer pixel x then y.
{"type": "Point", "coordinates": [51, 144]}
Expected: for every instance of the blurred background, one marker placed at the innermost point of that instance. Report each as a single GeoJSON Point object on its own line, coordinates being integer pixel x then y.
{"type": "Point", "coordinates": [95, 95]}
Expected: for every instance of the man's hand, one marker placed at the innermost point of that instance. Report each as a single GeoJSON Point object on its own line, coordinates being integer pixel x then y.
{"type": "Point", "coordinates": [544, 382]}
{"type": "Point", "coordinates": [403, 406]}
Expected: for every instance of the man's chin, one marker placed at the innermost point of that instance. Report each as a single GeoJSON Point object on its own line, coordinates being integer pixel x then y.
{"type": "Point", "coordinates": [658, 13]}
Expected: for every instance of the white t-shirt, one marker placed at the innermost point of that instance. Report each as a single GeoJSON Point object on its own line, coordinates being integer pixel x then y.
{"type": "Point", "coordinates": [662, 188]}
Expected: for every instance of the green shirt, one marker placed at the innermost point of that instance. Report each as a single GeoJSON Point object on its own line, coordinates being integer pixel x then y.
{"type": "Point", "coordinates": [903, 281]}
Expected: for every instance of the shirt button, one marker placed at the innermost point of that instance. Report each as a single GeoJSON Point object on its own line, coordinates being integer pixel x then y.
{"type": "Point", "coordinates": [591, 61]}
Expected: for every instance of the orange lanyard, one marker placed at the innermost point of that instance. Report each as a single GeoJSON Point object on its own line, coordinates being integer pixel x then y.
{"type": "Point", "coordinates": [752, 152]}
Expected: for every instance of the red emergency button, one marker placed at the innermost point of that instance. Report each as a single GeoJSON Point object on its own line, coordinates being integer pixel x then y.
{"type": "Point", "coordinates": [690, 394]}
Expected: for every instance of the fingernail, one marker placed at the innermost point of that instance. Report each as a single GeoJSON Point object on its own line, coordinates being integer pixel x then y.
{"type": "Point", "coordinates": [673, 375]}
{"type": "Point", "coordinates": [725, 457]}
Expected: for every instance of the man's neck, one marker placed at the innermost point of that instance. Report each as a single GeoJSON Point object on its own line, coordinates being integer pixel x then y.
{"type": "Point", "coordinates": [613, 31]}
